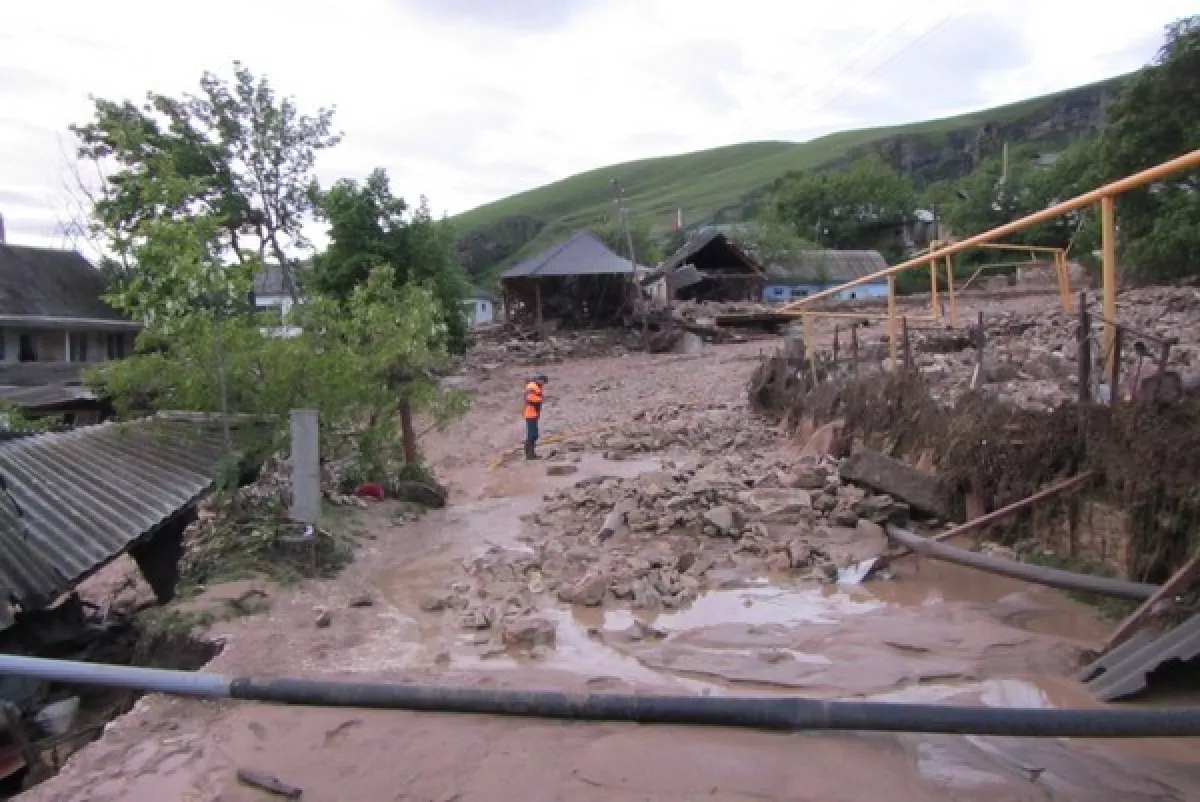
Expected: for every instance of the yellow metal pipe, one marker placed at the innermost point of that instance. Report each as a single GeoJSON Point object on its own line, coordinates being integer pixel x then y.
{"type": "Point", "coordinates": [1108, 247]}
{"type": "Point", "coordinates": [1005, 246]}
{"type": "Point", "coordinates": [1185, 162]}
{"type": "Point", "coordinates": [950, 290]}
{"type": "Point", "coordinates": [892, 319]}
{"type": "Point", "coordinates": [933, 289]}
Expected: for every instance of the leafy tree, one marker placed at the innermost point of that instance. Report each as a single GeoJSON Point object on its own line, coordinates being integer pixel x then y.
{"type": "Point", "coordinates": [860, 206]}
{"type": "Point", "coordinates": [1156, 118]}
{"type": "Point", "coordinates": [647, 247]}
{"type": "Point", "coordinates": [235, 154]}
{"type": "Point", "coordinates": [369, 227]}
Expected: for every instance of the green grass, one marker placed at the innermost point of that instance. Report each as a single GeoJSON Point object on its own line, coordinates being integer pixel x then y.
{"type": "Point", "coordinates": [705, 182]}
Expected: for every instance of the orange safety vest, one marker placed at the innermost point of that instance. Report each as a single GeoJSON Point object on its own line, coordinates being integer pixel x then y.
{"type": "Point", "coordinates": [533, 401]}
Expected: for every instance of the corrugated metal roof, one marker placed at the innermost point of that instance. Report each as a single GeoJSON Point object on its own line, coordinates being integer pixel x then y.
{"type": "Point", "coordinates": [75, 500]}
{"type": "Point", "coordinates": [580, 255]}
{"type": "Point", "coordinates": [50, 395]}
{"type": "Point", "coordinates": [1126, 670]}
{"type": "Point", "coordinates": [831, 266]}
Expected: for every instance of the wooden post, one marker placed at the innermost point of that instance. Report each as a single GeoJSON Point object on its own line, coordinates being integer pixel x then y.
{"type": "Point", "coordinates": [933, 289]}
{"type": "Point", "coordinates": [893, 335]}
{"type": "Point", "coordinates": [950, 290]}
{"type": "Point", "coordinates": [537, 302]}
{"type": "Point", "coordinates": [1178, 584]}
{"type": "Point", "coordinates": [907, 349]}
{"type": "Point", "coordinates": [980, 341]}
{"type": "Point", "coordinates": [1114, 375]}
{"type": "Point", "coordinates": [835, 347]}
{"type": "Point", "coordinates": [1085, 351]}
{"type": "Point", "coordinates": [854, 348]}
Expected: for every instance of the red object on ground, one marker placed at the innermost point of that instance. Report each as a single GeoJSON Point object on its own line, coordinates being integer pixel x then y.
{"type": "Point", "coordinates": [370, 490]}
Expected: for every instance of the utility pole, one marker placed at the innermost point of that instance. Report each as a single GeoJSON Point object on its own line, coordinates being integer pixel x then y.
{"type": "Point", "coordinates": [624, 221]}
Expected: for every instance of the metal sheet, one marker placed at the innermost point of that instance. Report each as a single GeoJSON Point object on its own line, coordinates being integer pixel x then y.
{"type": "Point", "coordinates": [72, 501]}
{"type": "Point", "coordinates": [1126, 670]}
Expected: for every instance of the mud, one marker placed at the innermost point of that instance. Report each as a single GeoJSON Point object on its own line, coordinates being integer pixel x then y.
{"type": "Point", "coordinates": [931, 633]}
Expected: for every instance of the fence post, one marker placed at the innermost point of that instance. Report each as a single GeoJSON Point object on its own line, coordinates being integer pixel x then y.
{"type": "Point", "coordinates": [907, 349]}
{"type": "Point", "coordinates": [1085, 351]}
{"type": "Point", "coordinates": [836, 333]}
{"type": "Point", "coordinates": [893, 335]}
{"type": "Point", "coordinates": [306, 468]}
{"type": "Point", "coordinates": [854, 348]}
{"type": "Point", "coordinates": [980, 342]}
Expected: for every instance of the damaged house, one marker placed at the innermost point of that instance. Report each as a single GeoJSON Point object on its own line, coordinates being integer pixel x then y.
{"type": "Point", "coordinates": [709, 267]}
{"type": "Point", "coordinates": [579, 282]}
{"type": "Point", "coordinates": [808, 272]}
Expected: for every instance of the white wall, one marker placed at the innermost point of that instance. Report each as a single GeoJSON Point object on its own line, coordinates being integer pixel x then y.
{"type": "Point", "coordinates": [284, 304]}
{"type": "Point", "coordinates": [479, 311]}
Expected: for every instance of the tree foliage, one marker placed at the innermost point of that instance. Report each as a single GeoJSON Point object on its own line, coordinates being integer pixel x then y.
{"type": "Point", "coordinates": [235, 155]}
{"type": "Point", "coordinates": [1156, 118]}
{"type": "Point", "coordinates": [859, 207]}
{"type": "Point", "coordinates": [369, 227]}
{"type": "Point", "coordinates": [648, 248]}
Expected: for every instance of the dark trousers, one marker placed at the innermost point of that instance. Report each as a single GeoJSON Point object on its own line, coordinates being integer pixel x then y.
{"type": "Point", "coordinates": [531, 431]}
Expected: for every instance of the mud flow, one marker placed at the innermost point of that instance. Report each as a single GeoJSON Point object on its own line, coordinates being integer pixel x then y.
{"type": "Point", "coordinates": [671, 539]}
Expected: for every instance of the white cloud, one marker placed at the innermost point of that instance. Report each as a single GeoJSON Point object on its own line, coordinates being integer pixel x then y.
{"type": "Point", "coordinates": [467, 101]}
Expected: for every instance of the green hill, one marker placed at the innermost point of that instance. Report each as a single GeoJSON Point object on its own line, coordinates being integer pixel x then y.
{"type": "Point", "coordinates": [726, 183]}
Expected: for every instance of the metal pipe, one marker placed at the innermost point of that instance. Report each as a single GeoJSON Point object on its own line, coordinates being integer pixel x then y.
{"type": "Point", "coordinates": [1187, 161]}
{"type": "Point", "coordinates": [783, 713]}
{"type": "Point", "coordinates": [155, 680]}
{"type": "Point", "coordinates": [1040, 575]}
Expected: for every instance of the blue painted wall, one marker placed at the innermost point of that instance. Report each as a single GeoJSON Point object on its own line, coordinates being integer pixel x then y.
{"type": "Point", "coordinates": [780, 293]}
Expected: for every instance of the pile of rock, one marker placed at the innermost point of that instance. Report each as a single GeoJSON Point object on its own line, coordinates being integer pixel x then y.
{"type": "Point", "coordinates": [657, 541]}
{"type": "Point", "coordinates": [524, 348]}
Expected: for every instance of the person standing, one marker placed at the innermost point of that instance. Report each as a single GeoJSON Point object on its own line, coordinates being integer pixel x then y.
{"type": "Point", "coordinates": [534, 394]}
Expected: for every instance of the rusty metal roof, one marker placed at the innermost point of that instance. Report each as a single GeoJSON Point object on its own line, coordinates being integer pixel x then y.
{"type": "Point", "coordinates": [1126, 670]}
{"type": "Point", "coordinates": [72, 501]}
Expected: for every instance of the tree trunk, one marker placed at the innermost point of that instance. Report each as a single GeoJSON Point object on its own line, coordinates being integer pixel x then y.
{"type": "Point", "coordinates": [408, 434]}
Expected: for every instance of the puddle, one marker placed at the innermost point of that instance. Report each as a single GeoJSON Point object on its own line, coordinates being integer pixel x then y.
{"type": "Point", "coordinates": [766, 604]}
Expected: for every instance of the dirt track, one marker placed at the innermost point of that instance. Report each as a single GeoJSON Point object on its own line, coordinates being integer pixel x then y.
{"type": "Point", "coordinates": [933, 633]}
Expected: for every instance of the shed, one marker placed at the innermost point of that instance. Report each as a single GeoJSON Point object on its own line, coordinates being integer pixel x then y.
{"type": "Point", "coordinates": [727, 271]}
{"type": "Point", "coordinates": [809, 272]}
{"type": "Point", "coordinates": [579, 281]}
{"type": "Point", "coordinates": [479, 307]}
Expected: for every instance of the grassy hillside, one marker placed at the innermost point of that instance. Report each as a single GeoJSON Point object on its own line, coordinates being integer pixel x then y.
{"type": "Point", "coordinates": [710, 182]}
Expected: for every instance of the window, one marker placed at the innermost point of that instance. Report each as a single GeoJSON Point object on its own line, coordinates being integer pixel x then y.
{"type": "Point", "coordinates": [115, 345]}
{"type": "Point", "coordinates": [27, 348]}
{"type": "Point", "coordinates": [79, 346]}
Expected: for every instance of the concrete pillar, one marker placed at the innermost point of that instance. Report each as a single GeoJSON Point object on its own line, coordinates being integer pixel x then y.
{"type": "Point", "coordinates": [306, 468]}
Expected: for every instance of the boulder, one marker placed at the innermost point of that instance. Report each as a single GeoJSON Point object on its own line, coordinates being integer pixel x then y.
{"type": "Point", "coordinates": [528, 633]}
{"type": "Point", "coordinates": [883, 474]}
{"type": "Point", "coordinates": [783, 506]}
{"type": "Point", "coordinates": [561, 469]}
{"type": "Point", "coordinates": [423, 493]}
{"type": "Point", "coordinates": [723, 519]}
{"type": "Point", "coordinates": [589, 591]}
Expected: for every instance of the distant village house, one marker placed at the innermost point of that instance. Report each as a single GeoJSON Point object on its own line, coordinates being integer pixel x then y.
{"type": "Point", "coordinates": [709, 267]}
{"type": "Point", "coordinates": [479, 307]}
{"type": "Point", "coordinates": [806, 273]}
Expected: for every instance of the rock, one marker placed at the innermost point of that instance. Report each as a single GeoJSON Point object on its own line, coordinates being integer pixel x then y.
{"type": "Point", "coordinates": [779, 561]}
{"type": "Point", "coordinates": [844, 516]}
{"type": "Point", "coordinates": [528, 633]}
{"type": "Point", "coordinates": [722, 518]}
{"type": "Point", "coordinates": [362, 600]}
{"type": "Point", "coordinates": [475, 618]}
{"type": "Point", "coordinates": [799, 553]}
{"type": "Point", "coordinates": [433, 604]}
{"type": "Point", "coordinates": [561, 469]}
{"type": "Point", "coordinates": [886, 475]}
{"type": "Point", "coordinates": [589, 591]}
{"type": "Point", "coordinates": [324, 619]}
{"type": "Point", "coordinates": [782, 506]}
{"type": "Point", "coordinates": [826, 441]}
{"type": "Point", "coordinates": [427, 495]}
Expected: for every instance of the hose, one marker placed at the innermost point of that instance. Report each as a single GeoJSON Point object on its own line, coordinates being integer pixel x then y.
{"type": "Point", "coordinates": [1051, 577]}
{"type": "Point", "coordinates": [778, 713]}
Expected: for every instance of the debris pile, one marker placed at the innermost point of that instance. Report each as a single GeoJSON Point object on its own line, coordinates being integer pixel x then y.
{"type": "Point", "coordinates": [496, 347]}
{"type": "Point", "coordinates": [657, 541]}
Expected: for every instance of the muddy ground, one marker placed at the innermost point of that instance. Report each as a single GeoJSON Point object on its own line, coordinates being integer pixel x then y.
{"type": "Point", "coordinates": [703, 587]}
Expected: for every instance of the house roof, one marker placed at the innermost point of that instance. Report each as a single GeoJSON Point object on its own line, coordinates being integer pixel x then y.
{"type": "Point", "coordinates": [827, 266]}
{"type": "Point", "coordinates": [72, 501]}
{"type": "Point", "coordinates": [700, 242]}
{"type": "Point", "coordinates": [582, 254]}
{"type": "Point", "coordinates": [49, 283]}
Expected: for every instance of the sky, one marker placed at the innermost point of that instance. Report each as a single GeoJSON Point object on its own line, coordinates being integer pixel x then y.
{"type": "Point", "coordinates": [469, 101]}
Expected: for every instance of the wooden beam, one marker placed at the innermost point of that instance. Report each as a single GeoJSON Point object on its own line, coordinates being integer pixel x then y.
{"type": "Point", "coordinates": [1183, 579]}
